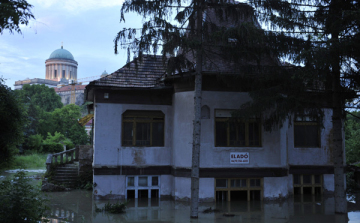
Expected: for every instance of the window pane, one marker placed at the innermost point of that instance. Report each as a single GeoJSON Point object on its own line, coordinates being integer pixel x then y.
{"type": "Point", "coordinates": [254, 134]}
{"type": "Point", "coordinates": [142, 134]}
{"type": "Point", "coordinates": [155, 181]}
{"type": "Point", "coordinates": [255, 183]}
{"type": "Point", "coordinates": [130, 181]}
{"type": "Point", "coordinates": [235, 183]}
{"type": "Point", "coordinates": [317, 179]}
{"type": "Point", "coordinates": [237, 134]}
{"type": "Point", "coordinates": [221, 183]}
{"type": "Point", "coordinates": [158, 134]}
{"type": "Point", "coordinates": [143, 181]}
{"type": "Point", "coordinates": [127, 134]}
{"type": "Point", "coordinates": [306, 136]}
{"type": "Point", "coordinates": [221, 133]}
{"type": "Point", "coordinates": [297, 179]}
{"type": "Point", "coordinates": [243, 183]}
{"type": "Point", "coordinates": [306, 179]}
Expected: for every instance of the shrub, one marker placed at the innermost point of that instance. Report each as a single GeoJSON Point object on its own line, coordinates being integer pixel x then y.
{"type": "Point", "coordinates": [34, 142]}
{"type": "Point", "coordinates": [116, 208]}
{"type": "Point", "coordinates": [20, 201]}
{"type": "Point", "coordinates": [54, 144]}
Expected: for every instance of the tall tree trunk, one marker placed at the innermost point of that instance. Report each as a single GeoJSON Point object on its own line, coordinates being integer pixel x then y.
{"type": "Point", "coordinates": [338, 146]}
{"type": "Point", "coordinates": [337, 117]}
{"type": "Point", "coordinates": [197, 119]}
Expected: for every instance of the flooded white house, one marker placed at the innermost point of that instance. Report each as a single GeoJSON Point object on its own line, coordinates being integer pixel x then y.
{"type": "Point", "coordinates": [143, 131]}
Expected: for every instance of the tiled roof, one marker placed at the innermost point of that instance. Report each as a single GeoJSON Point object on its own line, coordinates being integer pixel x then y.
{"type": "Point", "coordinates": [68, 88]}
{"type": "Point", "coordinates": [147, 74]}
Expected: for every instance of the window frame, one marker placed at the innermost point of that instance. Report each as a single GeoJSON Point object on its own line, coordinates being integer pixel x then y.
{"type": "Point", "coordinates": [136, 187]}
{"type": "Point", "coordinates": [306, 120]}
{"type": "Point", "coordinates": [142, 116]}
{"type": "Point", "coordinates": [247, 188]}
{"type": "Point", "coordinates": [311, 185]}
{"type": "Point", "coordinates": [229, 120]}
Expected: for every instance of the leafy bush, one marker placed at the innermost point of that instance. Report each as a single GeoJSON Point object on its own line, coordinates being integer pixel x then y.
{"type": "Point", "coordinates": [116, 208]}
{"type": "Point", "coordinates": [20, 201]}
{"type": "Point", "coordinates": [35, 142]}
{"type": "Point", "coordinates": [54, 144]}
{"type": "Point", "coordinates": [85, 180]}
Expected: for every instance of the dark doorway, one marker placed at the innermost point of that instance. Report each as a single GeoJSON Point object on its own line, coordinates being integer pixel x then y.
{"type": "Point", "coordinates": [130, 194]}
{"type": "Point", "coordinates": [240, 195]}
{"type": "Point", "coordinates": [221, 195]}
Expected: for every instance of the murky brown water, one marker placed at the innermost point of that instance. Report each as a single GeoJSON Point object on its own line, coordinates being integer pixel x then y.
{"type": "Point", "coordinates": [78, 206]}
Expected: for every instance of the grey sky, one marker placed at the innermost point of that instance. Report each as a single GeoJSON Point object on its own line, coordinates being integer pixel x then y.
{"type": "Point", "coordinates": [86, 27]}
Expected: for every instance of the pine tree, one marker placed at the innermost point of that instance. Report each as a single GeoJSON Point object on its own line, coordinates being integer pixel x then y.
{"type": "Point", "coordinates": [323, 38]}
{"type": "Point", "coordinates": [196, 36]}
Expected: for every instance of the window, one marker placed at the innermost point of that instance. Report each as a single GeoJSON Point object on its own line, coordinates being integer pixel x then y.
{"type": "Point", "coordinates": [142, 187]}
{"type": "Point", "coordinates": [237, 133]}
{"type": "Point", "coordinates": [55, 73]}
{"type": "Point", "coordinates": [143, 128]}
{"type": "Point", "coordinates": [306, 132]}
{"type": "Point", "coordinates": [238, 189]}
{"type": "Point", "coordinates": [307, 184]}
{"type": "Point", "coordinates": [63, 74]}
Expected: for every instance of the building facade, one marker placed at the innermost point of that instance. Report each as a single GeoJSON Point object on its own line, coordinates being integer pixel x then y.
{"type": "Point", "coordinates": [143, 142]}
{"type": "Point", "coordinates": [143, 132]}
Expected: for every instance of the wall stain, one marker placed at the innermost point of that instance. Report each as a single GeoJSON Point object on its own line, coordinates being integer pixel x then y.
{"type": "Point", "coordinates": [138, 157]}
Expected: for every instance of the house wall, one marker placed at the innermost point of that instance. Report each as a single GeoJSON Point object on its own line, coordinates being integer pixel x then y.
{"type": "Point", "coordinates": [277, 151]}
{"type": "Point", "coordinates": [313, 156]}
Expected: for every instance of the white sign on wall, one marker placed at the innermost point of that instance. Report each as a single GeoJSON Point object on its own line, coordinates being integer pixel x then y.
{"type": "Point", "coordinates": [239, 158]}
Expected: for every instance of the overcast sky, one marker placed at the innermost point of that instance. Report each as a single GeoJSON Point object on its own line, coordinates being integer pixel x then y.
{"type": "Point", "coordinates": [86, 28]}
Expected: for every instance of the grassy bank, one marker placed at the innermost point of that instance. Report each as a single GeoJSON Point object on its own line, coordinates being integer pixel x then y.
{"type": "Point", "coordinates": [30, 161]}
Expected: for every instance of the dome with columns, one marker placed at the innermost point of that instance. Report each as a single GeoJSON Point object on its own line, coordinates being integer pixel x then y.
{"type": "Point", "coordinates": [61, 65]}
{"type": "Point", "coordinates": [61, 54]}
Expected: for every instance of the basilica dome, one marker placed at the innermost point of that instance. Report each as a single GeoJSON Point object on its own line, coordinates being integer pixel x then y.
{"type": "Point", "coordinates": [61, 54]}
{"type": "Point", "coordinates": [61, 65]}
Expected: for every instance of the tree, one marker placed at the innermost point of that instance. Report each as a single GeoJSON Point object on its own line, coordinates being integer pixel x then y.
{"type": "Point", "coordinates": [13, 14]}
{"type": "Point", "coordinates": [352, 135]}
{"type": "Point", "coordinates": [37, 102]}
{"type": "Point", "coordinates": [20, 201]}
{"type": "Point", "coordinates": [11, 122]}
{"type": "Point", "coordinates": [196, 44]}
{"type": "Point", "coordinates": [323, 38]}
{"type": "Point", "coordinates": [65, 121]}
{"type": "Point", "coordinates": [40, 95]}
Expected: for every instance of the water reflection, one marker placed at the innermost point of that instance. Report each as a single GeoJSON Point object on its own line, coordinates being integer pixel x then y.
{"type": "Point", "coordinates": [78, 206]}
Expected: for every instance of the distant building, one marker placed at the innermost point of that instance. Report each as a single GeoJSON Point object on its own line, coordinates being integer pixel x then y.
{"type": "Point", "coordinates": [60, 71]}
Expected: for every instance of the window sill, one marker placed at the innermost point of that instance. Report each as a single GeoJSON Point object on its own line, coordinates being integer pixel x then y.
{"type": "Point", "coordinates": [245, 149]}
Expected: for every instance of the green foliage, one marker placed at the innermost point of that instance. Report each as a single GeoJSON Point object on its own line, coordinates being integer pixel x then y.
{"type": "Point", "coordinates": [40, 95]}
{"type": "Point", "coordinates": [11, 122]}
{"type": "Point", "coordinates": [20, 201]}
{"type": "Point", "coordinates": [85, 181]}
{"type": "Point", "coordinates": [116, 208]}
{"type": "Point", "coordinates": [38, 101]}
{"type": "Point", "coordinates": [35, 142]}
{"type": "Point", "coordinates": [13, 14]}
{"type": "Point", "coordinates": [352, 136]}
{"type": "Point", "coordinates": [30, 161]}
{"type": "Point", "coordinates": [66, 122]}
{"type": "Point", "coordinates": [54, 143]}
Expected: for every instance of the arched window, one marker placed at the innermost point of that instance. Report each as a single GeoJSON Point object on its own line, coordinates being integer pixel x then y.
{"type": "Point", "coordinates": [205, 112]}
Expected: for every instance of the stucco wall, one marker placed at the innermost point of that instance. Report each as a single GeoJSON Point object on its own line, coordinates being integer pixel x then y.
{"type": "Point", "coordinates": [268, 155]}
{"type": "Point", "coordinates": [107, 141]}
{"type": "Point", "coordinates": [276, 187]}
{"type": "Point", "coordinates": [313, 156]}
{"type": "Point", "coordinates": [109, 187]}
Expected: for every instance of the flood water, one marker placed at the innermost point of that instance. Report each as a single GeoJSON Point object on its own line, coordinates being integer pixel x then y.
{"type": "Point", "coordinates": [79, 206]}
